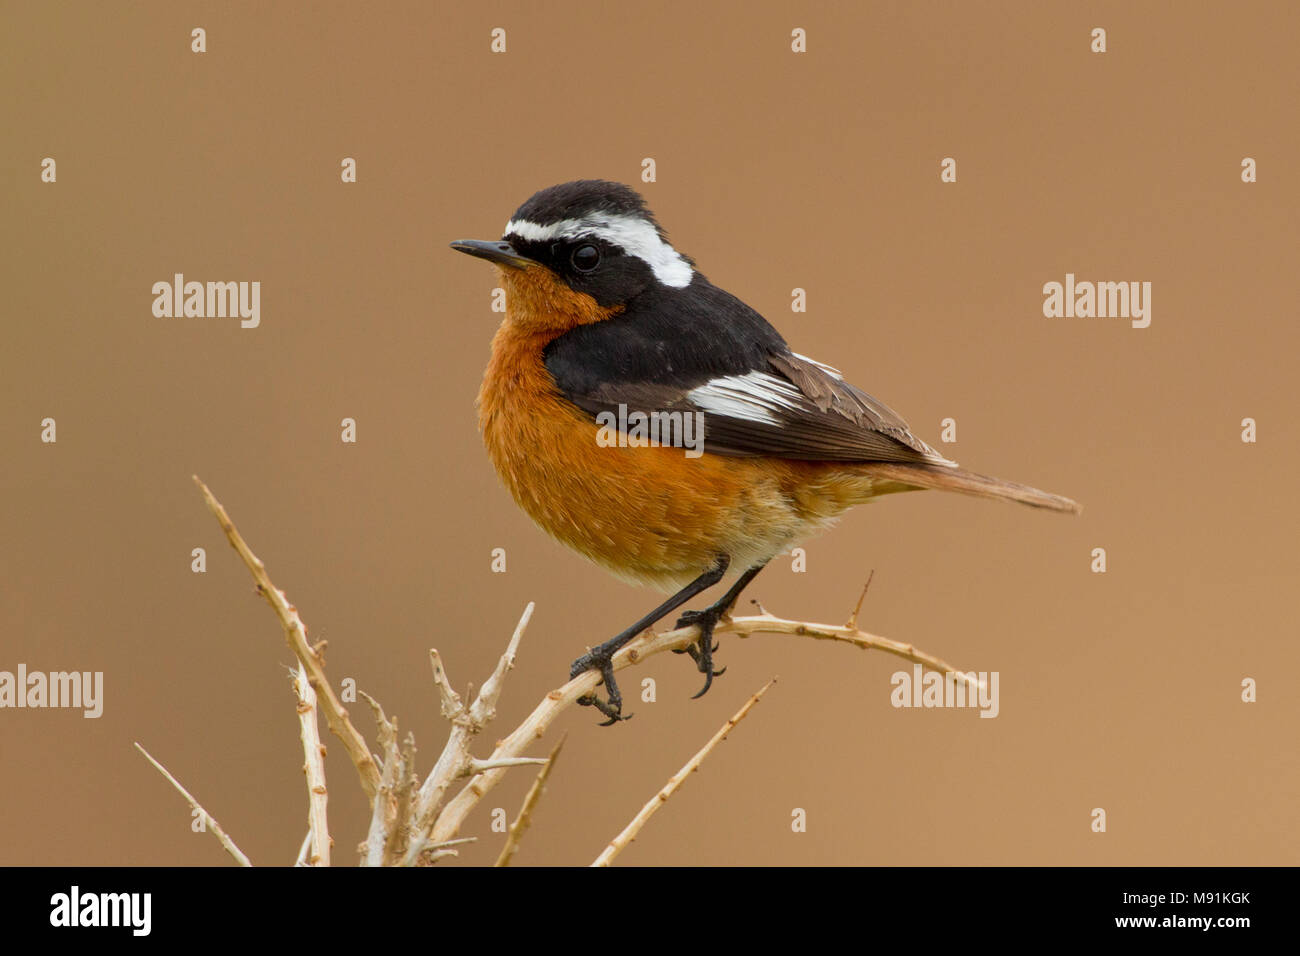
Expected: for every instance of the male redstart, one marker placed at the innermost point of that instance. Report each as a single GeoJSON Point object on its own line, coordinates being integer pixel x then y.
{"type": "Point", "coordinates": [662, 428]}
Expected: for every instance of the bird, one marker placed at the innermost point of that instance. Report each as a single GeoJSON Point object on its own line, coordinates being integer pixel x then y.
{"type": "Point", "coordinates": [610, 331]}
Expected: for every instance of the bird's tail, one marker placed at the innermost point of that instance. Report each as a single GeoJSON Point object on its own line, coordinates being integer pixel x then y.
{"type": "Point", "coordinates": [947, 478]}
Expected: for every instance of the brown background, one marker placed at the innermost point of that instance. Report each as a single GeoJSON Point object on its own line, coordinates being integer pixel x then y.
{"type": "Point", "coordinates": [774, 171]}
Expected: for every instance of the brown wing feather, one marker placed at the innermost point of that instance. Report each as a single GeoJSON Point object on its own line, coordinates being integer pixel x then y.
{"type": "Point", "coordinates": [830, 393]}
{"type": "Point", "coordinates": [942, 478]}
{"type": "Point", "coordinates": [813, 416]}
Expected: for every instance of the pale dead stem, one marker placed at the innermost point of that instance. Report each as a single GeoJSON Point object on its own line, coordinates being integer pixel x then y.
{"type": "Point", "coordinates": [525, 817]}
{"type": "Point", "coordinates": [295, 632]}
{"type": "Point", "coordinates": [620, 842]}
{"type": "Point", "coordinates": [410, 825]}
{"type": "Point", "coordinates": [314, 768]}
{"type": "Point", "coordinates": [646, 646]}
{"type": "Point", "coordinates": [455, 760]}
{"type": "Point", "coordinates": [209, 821]}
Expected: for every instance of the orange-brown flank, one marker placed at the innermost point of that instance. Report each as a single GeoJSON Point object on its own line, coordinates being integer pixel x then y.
{"type": "Point", "coordinates": [648, 514]}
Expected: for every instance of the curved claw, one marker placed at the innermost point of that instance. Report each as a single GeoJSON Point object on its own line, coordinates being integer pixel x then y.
{"type": "Point", "coordinates": [610, 707]}
{"type": "Point", "coordinates": [702, 650]}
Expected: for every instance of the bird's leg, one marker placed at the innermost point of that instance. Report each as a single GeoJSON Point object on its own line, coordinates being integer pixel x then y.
{"type": "Point", "coordinates": [706, 620]}
{"type": "Point", "coordinates": [601, 658]}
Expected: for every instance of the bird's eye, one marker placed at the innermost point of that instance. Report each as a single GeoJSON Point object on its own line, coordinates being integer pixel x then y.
{"type": "Point", "coordinates": [585, 258]}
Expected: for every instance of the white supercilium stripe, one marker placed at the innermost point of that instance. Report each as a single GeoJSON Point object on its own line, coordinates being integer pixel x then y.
{"type": "Point", "coordinates": [633, 235]}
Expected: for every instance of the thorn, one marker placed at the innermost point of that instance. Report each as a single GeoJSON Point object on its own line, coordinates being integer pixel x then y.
{"type": "Point", "coordinates": [853, 618]}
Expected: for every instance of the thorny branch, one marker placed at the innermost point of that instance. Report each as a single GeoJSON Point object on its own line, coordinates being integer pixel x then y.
{"type": "Point", "coordinates": [620, 842]}
{"type": "Point", "coordinates": [525, 818]}
{"type": "Point", "coordinates": [209, 821]}
{"type": "Point", "coordinates": [410, 824]}
{"type": "Point", "coordinates": [295, 632]}
{"type": "Point", "coordinates": [314, 768]}
{"type": "Point", "coordinates": [642, 648]}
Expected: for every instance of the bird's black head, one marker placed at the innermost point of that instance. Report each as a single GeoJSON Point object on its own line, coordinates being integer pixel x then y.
{"type": "Point", "coordinates": [598, 237]}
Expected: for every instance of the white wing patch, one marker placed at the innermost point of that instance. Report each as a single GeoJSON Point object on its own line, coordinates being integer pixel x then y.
{"type": "Point", "coordinates": [832, 372]}
{"type": "Point", "coordinates": [633, 235]}
{"type": "Point", "coordinates": [754, 396]}
{"type": "Point", "coordinates": [765, 399]}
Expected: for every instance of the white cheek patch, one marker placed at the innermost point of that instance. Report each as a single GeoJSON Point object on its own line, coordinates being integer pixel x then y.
{"type": "Point", "coordinates": [754, 396]}
{"type": "Point", "coordinates": [633, 235]}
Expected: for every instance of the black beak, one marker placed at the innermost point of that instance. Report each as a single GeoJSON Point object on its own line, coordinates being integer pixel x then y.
{"type": "Point", "coordinates": [502, 253]}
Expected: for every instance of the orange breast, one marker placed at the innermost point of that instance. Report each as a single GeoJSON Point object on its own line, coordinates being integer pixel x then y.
{"type": "Point", "coordinates": [651, 515]}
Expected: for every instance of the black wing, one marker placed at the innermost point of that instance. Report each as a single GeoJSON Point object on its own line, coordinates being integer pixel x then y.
{"type": "Point", "coordinates": [701, 349]}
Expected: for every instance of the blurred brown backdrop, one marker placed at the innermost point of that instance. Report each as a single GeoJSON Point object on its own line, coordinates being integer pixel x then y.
{"type": "Point", "coordinates": [775, 170]}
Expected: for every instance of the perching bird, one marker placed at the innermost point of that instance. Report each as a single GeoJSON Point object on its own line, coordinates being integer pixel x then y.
{"type": "Point", "coordinates": [610, 335]}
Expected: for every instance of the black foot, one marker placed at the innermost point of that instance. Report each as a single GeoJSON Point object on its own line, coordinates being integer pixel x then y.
{"type": "Point", "coordinates": [702, 650]}
{"type": "Point", "coordinates": [613, 706]}
{"type": "Point", "coordinates": [601, 658]}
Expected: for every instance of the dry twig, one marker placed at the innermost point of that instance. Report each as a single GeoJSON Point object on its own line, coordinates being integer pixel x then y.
{"type": "Point", "coordinates": [455, 760]}
{"type": "Point", "coordinates": [383, 812]}
{"type": "Point", "coordinates": [304, 851]}
{"type": "Point", "coordinates": [295, 632]}
{"type": "Point", "coordinates": [853, 618]}
{"type": "Point", "coordinates": [209, 821]}
{"type": "Point", "coordinates": [525, 818]}
{"type": "Point", "coordinates": [410, 823]}
{"type": "Point", "coordinates": [314, 768]}
{"type": "Point", "coordinates": [620, 842]}
{"type": "Point", "coordinates": [535, 724]}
